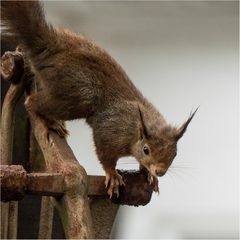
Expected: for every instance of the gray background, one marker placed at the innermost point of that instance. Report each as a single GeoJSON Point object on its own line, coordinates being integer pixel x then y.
{"type": "Point", "coordinates": [180, 55]}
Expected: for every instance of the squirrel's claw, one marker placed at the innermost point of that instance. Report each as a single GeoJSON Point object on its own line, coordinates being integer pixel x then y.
{"type": "Point", "coordinates": [155, 187]}
{"type": "Point", "coordinates": [150, 178]}
{"type": "Point", "coordinates": [113, 180]}
{"type": "Point", "coordinates": [153, 180]}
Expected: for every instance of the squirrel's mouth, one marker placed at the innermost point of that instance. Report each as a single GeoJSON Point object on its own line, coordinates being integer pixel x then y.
{"type": "Point", "coordinates": [152, 174]}
{"type": "Point", "coordinates": [157, 172]}
{"type": "Point", "coordinates": [160, 172]}
{"type": "Point", "coordinates": [153, 171]}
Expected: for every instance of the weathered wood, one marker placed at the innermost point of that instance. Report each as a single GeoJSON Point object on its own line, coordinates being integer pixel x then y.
{"type": "Point", "coordinates": [103, 216]}
{"type": "Point", "coordinates": [7, 119]}
{"type": "Point", "coordinates": [15, 182]}
{"type": "Point", "coordinates": [96, 188]}
{"type": "Point", "coordinates": [73, 207]}
{"type": "Point", "coordinates": [46, 218]}
{"type": "Point", "coordinates": [45, 184]}
{"type": "Point", "coordinates": [4, 220]}
{"type": "Point", "coordinates": [12, 68]}
{"type": "Point", "coordinates": [137, 190]}
{"type": "Point", "coordinates": [12, 220]}
{"type": "Point", "coordinates": [37, 164]}
{"type": "Point", "coordinates": [36, 159]}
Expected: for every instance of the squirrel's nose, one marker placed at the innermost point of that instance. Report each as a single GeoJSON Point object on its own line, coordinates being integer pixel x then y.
{"type": "Point", "coordinates": [160, 172]}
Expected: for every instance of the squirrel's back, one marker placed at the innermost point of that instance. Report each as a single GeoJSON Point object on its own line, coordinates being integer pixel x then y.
{"type": "Point", "coordinates": [67, 62]}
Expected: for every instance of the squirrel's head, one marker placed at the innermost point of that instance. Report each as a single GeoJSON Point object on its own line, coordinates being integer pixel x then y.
{"type": "Point", "coordinates": [155, 150]}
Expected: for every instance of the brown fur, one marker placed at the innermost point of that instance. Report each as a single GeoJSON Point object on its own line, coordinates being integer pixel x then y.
{"type": "Point", "coordinates": [78, 79]}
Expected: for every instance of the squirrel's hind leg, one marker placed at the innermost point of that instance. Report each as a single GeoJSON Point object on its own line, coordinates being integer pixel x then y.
{"type": "Point", "coordinates": [38, 103]}
{"type": "Point", "coordinates": [58, 126]}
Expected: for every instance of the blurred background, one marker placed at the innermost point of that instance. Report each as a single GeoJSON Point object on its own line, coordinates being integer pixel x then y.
{"type": "Point", "coordinates": [180, 54]}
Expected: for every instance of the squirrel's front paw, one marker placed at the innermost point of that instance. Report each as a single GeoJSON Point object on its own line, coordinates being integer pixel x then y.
{"type": "Point", "coordinates": [113, 180]}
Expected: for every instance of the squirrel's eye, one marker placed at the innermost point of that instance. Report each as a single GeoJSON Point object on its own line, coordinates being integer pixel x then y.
{"type": "Point", "coordinates": [146, 150]}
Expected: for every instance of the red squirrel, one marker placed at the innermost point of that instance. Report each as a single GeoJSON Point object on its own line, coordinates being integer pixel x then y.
{"type": "Point", "coordinates": [78, 79]}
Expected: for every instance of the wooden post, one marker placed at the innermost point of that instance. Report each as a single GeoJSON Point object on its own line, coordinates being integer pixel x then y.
{"type": "Point", "coordinates": [37, 164]}
{"type": "Point", "coordinates": [73, 207]}
{"type": "Point", "coordinates": [10, 63]}
{"type": "Point", "coordinates": [46, 218]}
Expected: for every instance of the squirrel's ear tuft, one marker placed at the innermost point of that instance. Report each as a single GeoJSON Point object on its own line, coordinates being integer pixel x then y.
{"type": "Point", "coordinates": [181, 130]}
{"type": "Point", "coordinates": [143, 129]}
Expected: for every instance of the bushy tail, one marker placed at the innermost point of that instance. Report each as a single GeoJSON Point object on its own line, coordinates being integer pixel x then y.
{"type": "Point", "coordinates": [25, 20]}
